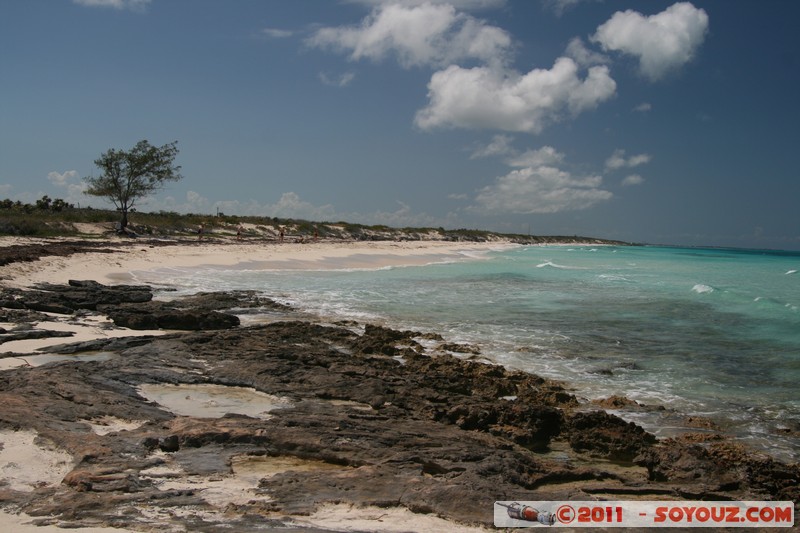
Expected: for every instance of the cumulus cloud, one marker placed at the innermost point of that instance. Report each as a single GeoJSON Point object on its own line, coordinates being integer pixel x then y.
{"type": "Point", "coordinates": [542, 189]}
{"type": "Point", "coordinates": [499, 145]}
{"type": "Point", "coordinates": [133, 5]}
{"type": "Point", "coordinates": [5, 188]}
{"type": "Point", "coordinates": [62, 179]}
{"type": "Point", "coordinates": [74, 187]}
{"type": "Point", "coordinates": [490, 94]}
{"type": "Point", "coordinates": [544, 156]}
{"type": "Point", "coordinates": [290, 205]}
{"type": "Point", "coordinates": [417, 35]}
{"type": "Point", "coordinates": [618, 160]}
{"type": "Point", "coordinates": [582, 55]}
{"type": "Point", "coordinates": [633, 179]}
{"type": "Point", "coordinates": [644, 107]}
{"type": "Point", "coordinates": [484, 97]}
{"type": "Point", "coordinates": [539, 185]}
{"type": "Point", "coordinates": [662, 42]}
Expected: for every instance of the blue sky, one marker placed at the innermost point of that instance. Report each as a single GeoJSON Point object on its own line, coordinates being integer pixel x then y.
{"type": "Point", "coordinates": [662, 122]}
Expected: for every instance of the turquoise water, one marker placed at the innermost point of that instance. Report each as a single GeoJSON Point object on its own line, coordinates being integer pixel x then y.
{"type": "Point", "coordinates": [711, 332]}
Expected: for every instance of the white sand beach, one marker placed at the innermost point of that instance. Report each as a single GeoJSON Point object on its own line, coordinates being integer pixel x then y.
{"type": "Point", "coordinates": [111, 268]}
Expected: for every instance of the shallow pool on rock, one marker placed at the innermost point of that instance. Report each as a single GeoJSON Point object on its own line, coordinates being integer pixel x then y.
{"type": "Point", "coordinates": [212, 401]}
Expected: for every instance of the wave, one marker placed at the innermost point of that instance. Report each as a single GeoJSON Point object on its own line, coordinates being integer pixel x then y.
{"type": "Point", "coordinates": [555, 265]}
{"type": "Point", "coordinates": [702, 289]}
{"type": "Point", "coordinates": [613, 277]}
{"type": "Point", "coordinates": [792, 272]}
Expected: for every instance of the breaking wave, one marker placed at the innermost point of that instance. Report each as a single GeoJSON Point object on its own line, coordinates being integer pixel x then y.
{"type": "Point", "coordinates": [700, 288]}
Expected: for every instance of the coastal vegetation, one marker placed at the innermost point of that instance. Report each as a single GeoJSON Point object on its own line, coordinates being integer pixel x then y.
{"type": "Point", "coordinates": [56, 218]}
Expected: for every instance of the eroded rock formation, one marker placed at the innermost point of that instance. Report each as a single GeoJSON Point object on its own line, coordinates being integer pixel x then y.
{"type": "Point", "coordinates": [370, 418]}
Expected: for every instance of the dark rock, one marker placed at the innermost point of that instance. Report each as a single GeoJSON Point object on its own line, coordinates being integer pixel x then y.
{"type": "Point", "coordinates": [460, 348]}
{"type": "Point", "coordinates": [606, 435]}
{"type": "Point", "coordinates": [616, 402]}
{"type": "Point", "coordinates": [677, 462]}
{"type": "Point", "coordinates": [381, 340]}
{"type": "Point", "coordinates": [28, 334]}
{"type": "Point", "coordinates": [114, 344]}
{"type": "Point", "coordinates": [131, 306]}
{"type": "Point", "coordinates": [214, 301]}
{"type": "Point", "coordinates": [65, 299]}
{"type": "Point", "coordinates": [170, 444]}
{"type": "Point", "coordinates": [160, 315]}
{"type": "Point", "coordinates": [32, 252]}
{"type": "Point", "coordinates": [431, 434]}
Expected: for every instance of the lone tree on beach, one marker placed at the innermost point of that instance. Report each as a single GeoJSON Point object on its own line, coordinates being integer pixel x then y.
{"type": "Point", "coordinates": [133, 174]}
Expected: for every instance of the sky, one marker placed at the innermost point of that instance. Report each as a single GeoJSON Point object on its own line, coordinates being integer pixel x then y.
{"type": "Point", "coordinates": [660, 122]}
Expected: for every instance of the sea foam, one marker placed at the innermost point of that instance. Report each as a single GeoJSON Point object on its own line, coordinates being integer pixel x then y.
{"type": "Point", "coordinates": [702, 289]}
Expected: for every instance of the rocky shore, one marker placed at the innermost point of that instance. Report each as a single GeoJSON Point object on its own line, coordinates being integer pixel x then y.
{"type": "Point", "coordinates": [288, 424]}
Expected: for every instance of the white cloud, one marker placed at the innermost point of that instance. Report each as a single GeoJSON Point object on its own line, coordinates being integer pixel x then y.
{"type": "Point", "coordinates": [543, 189]}
{"type": "Point", "coordinates": [662, 42]}
{"type": "Point", "coordinates": [499, 145]}
{"type": "Point", "coordinates": [62, 179]}
{"type": "Point", "coordinates": [417, 35]}
{"type": "Point", "coordinates": [194, 198]}
{"type": "Point", "coordinates": [644, 107]}
{"type": "Point", "coordinates": [636, 160]}
{"type": "Point", "coordinates": [277, 33]}
{"type": "Point", "coordinates": [544, 156]}
{"type": "Point", "coordinates": [5, 188]}
{"type": "Point", "coordinates": [73, 185]}
{"type": "Point", "coordinates": [618, 160]}
{"type": "Point", "coordinates": [582, 55]}
{"type": "Point", "coordinates": [291, 205]}
{"type": "Point", "coordinates": [492, 98]}
{"type": "Point", "coordinates": [342, 80]}
{"type": "Point", "coordinates": [539, 185]}
{"type": "Point", "coordinates": [633, 179]}
{"type": "Point", "coordinates": [133, 5]}
{"type": "Point", "coordinates": [487, 96]}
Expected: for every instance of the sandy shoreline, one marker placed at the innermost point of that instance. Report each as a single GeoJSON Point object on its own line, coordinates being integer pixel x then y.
{"type": "Point", "coordinates": [111, 268]}
{"type": "Point", "coordinates": [129, 260]}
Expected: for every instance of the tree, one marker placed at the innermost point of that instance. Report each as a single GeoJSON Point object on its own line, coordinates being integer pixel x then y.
{"type": "Point", "coordinates": [134, 174]}
{"type": "Point", "coordinates": [44, 203]}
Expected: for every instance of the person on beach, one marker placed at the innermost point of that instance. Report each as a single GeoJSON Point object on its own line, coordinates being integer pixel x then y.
{"type": "Point", "coordinates": [281, 236]}
{"type": "Point", "coordinates": [239, 233]}
{"type": "Point", "coordinates": [200, 231]}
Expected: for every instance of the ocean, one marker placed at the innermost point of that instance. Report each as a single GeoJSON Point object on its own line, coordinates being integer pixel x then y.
{"type": "Point", "coordinates": [703, 332]}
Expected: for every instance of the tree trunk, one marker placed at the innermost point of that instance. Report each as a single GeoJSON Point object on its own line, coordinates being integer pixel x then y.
{"type": "Point", "coordinates": [124, 222]}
